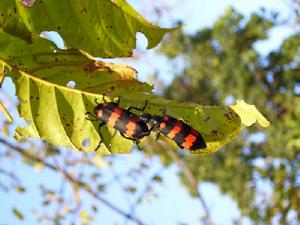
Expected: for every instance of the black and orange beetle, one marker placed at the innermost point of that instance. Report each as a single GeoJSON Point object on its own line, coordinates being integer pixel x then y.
{"type": "Point", "coordinates": [127, 123]}
{"type": "Point", "coordinates": [183, 134]}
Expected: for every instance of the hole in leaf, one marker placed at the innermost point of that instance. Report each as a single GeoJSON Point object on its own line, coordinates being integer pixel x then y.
{"type": "Point", "coordinates": [71, 84]}
{"type": "Point", "coordinates": [27, 3]}
{"type": "Point", "coordinates": [141, 41]}
{"type": "Point", "coordinates": [54, 37]}
{"type": "Point", "coordinates": [86, 143]}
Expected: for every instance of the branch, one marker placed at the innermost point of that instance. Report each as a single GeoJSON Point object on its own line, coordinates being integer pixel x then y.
{"type": "Point", "coordinates": [191, 180]}
{"type": "Point", "coordinates": [71, 179]}
{"type": "Point", "coordinates": [144, 193]}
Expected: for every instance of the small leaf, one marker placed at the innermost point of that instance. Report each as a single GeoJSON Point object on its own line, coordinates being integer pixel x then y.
{"type": "Point", "coordinates": [85, 217]}
{"type": "Point", "coordinates": [18, 214]}
{"type": "Point", "coordinates": [157, 178]}
{"type": "Point", "coordinates": [130, 189]}
{"type": "Point", "coordinates": [249, 114]}
{"type": "Point", "coordinates": [20, 189]}
{"type": "Point", "coordinates": [46, 202]}
{"type": "Point", "coordinates": [38, 167]}
{"type": "Point", "coordinates": [101, 187]}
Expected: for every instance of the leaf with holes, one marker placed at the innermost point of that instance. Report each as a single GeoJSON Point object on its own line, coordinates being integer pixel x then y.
{"type": "Point", "coordinates": [57, 115]}
{"type": "Point", "coordinates": [57, 87]}
{"type": "Point", "coordinates": [218, 125]}
{"type": "Point", "coordinates": [104, 28]}
{"type": "Point", "coordinates": [56, 112]}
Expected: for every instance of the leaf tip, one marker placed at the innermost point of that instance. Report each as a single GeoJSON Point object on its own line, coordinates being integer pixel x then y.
{"type": "Point", "coordinates": [249, 114]}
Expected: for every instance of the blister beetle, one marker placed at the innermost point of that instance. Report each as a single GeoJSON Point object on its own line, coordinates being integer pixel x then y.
{"type": "Point", "coordinates": [130, 125]}
{"type": "Point", "coordinates": [183, 134]}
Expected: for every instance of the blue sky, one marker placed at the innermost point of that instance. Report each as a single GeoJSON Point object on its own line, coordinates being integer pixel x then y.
{"type": "Point", "coordinates": [174, 204]}
{"type": "Point", "coordinates": [197, 14]}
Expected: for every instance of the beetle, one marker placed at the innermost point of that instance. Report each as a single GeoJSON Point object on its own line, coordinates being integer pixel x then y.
{"type": "Point", "coordinates": [127, 123]}
{"type": "Point", "coordinates": [179, 131]}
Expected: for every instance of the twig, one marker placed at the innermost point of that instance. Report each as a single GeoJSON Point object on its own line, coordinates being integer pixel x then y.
{"type": "Point", "coordinates": [191, 179]}
{"type": "Point", "coordinates": [143, 194]}
{"type": "Point", "coordinates": [78, 183]}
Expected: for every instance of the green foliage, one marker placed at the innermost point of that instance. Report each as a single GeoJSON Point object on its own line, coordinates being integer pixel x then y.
{"type": "Point", "coordinates": [103, 28]}
{"type": "Point", "coordinates": [41, 73]}
{"type": "Point", "coordinates": [223, 65]}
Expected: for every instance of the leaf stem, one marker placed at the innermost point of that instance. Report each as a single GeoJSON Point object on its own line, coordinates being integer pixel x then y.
{"type": "Point", "coordinates": [80, 184]}
{"type": "Point", "coordinates": [8, 116]}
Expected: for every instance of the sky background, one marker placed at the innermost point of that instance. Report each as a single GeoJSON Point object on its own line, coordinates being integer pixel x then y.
{"type": "Point", "coordinates": [174, 203]}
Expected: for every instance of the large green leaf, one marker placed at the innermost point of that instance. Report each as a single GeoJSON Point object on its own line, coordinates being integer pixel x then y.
{"type": "Point", "coordinates": [57, 115]}
{"type": "Point", "coordinates": [104, 28]}
{"type": "Point", "coordinates": [42, 60]}
{"type": "Point", "coordinates": [56, 112]}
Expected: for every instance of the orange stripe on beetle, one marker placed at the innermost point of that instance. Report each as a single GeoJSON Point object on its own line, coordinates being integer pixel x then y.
{"type": "Point", "coordinates": [176, 129]}
{"type": "Point", "coordinates": [189, 141]}
{"type": "Point", "coordinates": [115, 115]}
{"type": "Point", "coordinates": [100, 113]}
{"type": "Point", "coordinates": [131, 127]}
{"type": "Point", "coordinates": [162, 125]}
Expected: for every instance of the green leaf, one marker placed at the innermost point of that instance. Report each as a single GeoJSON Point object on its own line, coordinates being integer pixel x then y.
{"type": "Point", "coordinates": [57, 115]}
{"type": "Point", "coordinates": [18, 214]}
{"type": "Point", "coordinates": [20, 189]}
{"type": "Point", "coordinates": [55, 112]}
{"type": "Point", "coordinates": [217, 125]}
{"type": "Point", "coordinates": [104, 28]}
{"type": "Point", "coordinates": [41, 59]}
{"type": "Point", "coordinates": [41, 73]}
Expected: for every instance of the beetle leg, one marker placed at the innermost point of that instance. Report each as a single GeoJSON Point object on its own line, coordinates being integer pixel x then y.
{"type": "Point", "coordinates": [123, 135]}
{"type": "Point", "coordinates": [138, 108]}
{"type": "Point", "coordinates": [118, 100]}
{"type": "Point", "coordinates": [157, 136]}
{"type": "Point", "coordinates": [137, 144]}
{"type": "Point", "coordinates": [136, 141]}
{"type": "Point", "coordinates": [92, 115]}
{"type": "Point", "coordinates": [101, 136]}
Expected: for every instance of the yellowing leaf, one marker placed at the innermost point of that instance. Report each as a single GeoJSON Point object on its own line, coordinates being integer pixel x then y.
{"type": "Point", "coordinates": [249, 114]}
{"type": "Point", "coordinates": [85, 218]}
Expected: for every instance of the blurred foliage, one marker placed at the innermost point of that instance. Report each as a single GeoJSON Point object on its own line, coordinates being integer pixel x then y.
{"type": "Point", "coordinates": [222, 63]}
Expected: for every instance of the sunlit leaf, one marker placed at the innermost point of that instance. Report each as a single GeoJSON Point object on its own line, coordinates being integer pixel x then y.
{"type": "Point", "coordinates": [85, 217]}
{"type": "Point", "coordinates": [56, 112]}
{"type": "Point", "coordinates": [104, 28]}
{"type": "Point", "coordinates": [249, 114]}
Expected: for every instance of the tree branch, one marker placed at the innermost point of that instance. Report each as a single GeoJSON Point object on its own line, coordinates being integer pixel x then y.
{"type": "Point", "coordinates": [71, 179]}
{"type": "Point", "coordinates": [191, 179]}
